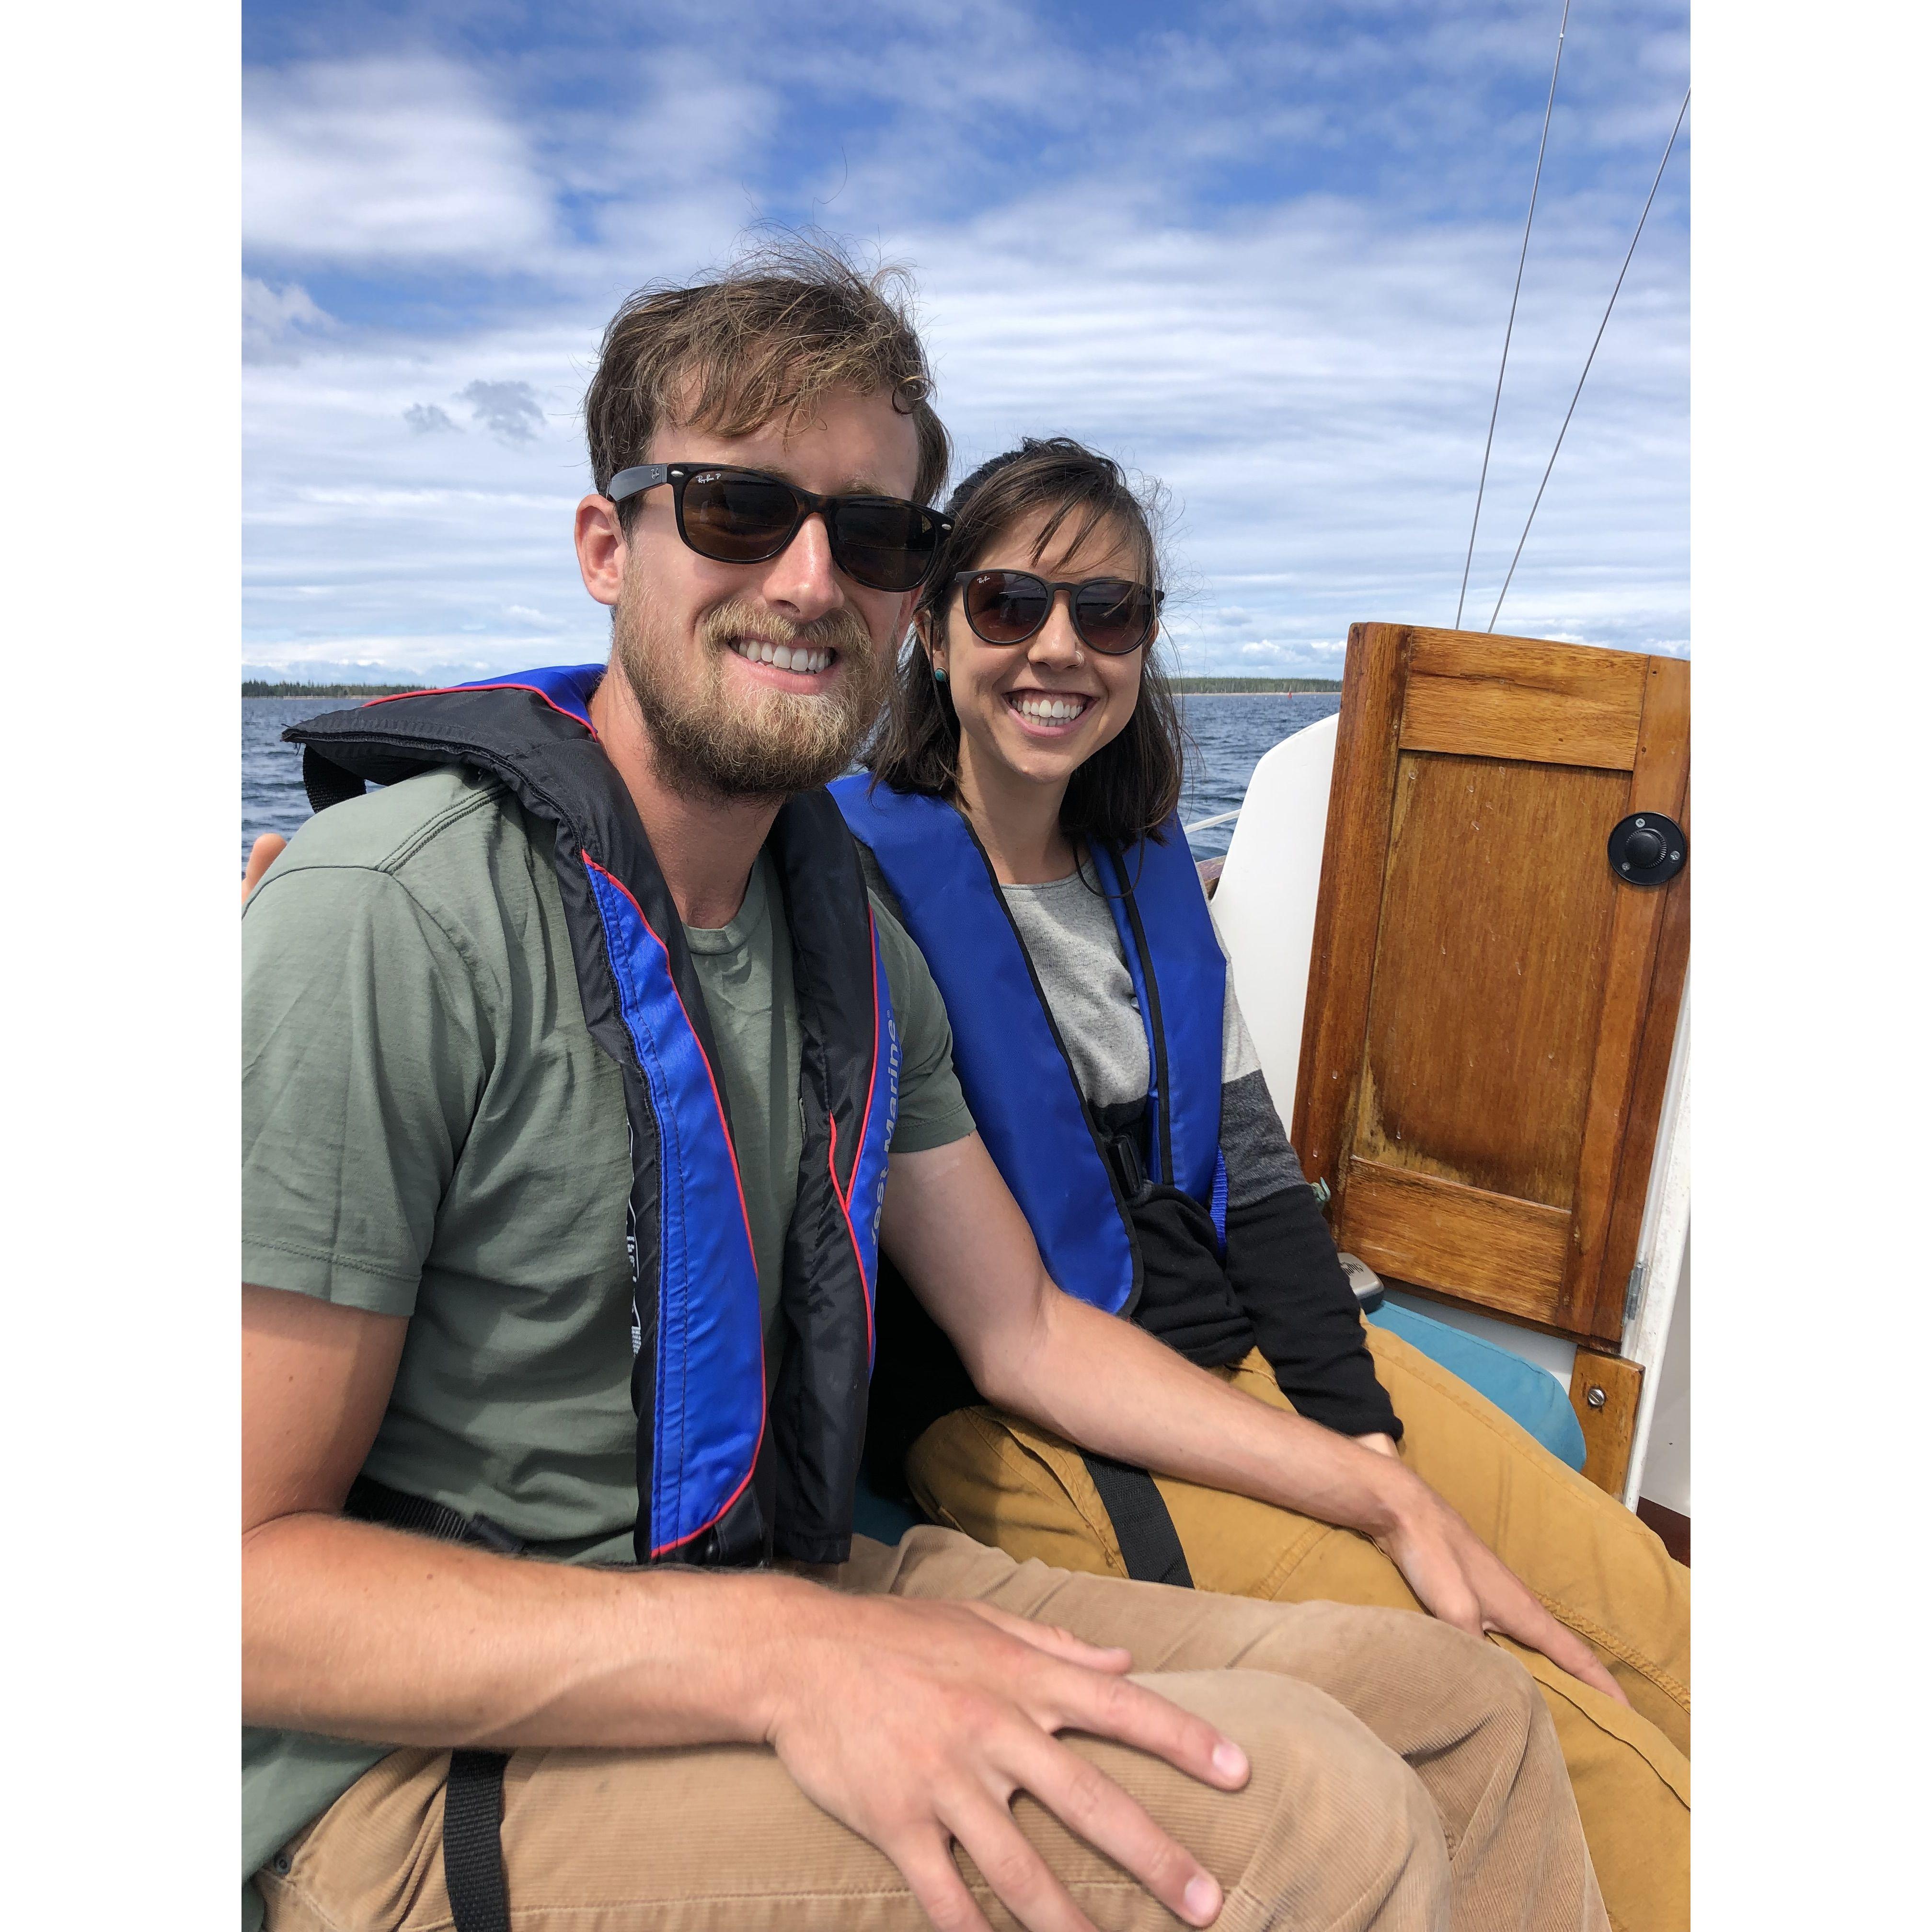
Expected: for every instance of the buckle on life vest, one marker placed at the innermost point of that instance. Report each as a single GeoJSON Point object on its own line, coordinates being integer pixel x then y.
{"type": "Point", "coordinates": [1123, 1157]}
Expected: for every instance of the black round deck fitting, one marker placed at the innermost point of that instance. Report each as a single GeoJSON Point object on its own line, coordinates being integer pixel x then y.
{"type": "Point", "coordinates": [1647, 849]}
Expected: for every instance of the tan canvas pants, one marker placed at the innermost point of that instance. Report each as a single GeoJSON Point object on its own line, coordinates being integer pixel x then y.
{"type": "Point", "coordinates": [1404, 1776]}
{"type": "Point", "coordinates": [1594, 1566]}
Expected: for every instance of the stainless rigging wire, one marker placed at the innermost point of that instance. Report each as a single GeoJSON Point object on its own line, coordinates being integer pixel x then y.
{"type": "Point", "coordinates": [1549, 105]}
{"type": "Point", "coordinates": [1591, 358]}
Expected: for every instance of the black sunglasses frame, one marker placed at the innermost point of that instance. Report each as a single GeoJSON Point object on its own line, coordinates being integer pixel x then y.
{"type": "Point", "coordinates": [1053, 587]}
{"type": "Point", "coordinates": [643, 476]}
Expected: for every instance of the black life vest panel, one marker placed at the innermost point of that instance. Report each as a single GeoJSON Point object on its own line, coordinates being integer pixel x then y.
{"type": "Point", "coordinates": [1012, 1065]}
{"type": "Point", "coordinates": [719, 1480]}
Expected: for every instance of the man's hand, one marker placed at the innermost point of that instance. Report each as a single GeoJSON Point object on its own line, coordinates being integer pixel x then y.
{"type": "Point", "coordinates": [263, 854]}
{"type": "Point", "coordinates": [1456, 1577]}
{"type": "Point", "coordinates": [915, 1723]}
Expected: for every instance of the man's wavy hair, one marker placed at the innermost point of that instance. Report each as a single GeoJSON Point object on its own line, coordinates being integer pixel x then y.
{"type": "Point", "coordinates": [1130, 787]}
{"type": "Point", "coordinates": [786, 322]}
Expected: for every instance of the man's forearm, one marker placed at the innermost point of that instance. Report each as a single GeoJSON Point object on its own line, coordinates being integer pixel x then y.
{"type": "Point", "coordinates": [361, 1632]}
{"type": "Point", "coordinates": [1104, 1384]}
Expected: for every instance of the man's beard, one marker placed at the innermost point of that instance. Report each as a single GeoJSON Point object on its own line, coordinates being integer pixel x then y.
{"type": "Point", "coordinates": [709, 740]}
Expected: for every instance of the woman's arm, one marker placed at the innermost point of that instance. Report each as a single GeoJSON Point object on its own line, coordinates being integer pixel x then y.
{"type": "Point", "coordinates": [962, 1243]}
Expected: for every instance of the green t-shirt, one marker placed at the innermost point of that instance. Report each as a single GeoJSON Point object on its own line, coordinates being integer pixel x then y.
{"type": "Point", "coordinates": [429, 1130]}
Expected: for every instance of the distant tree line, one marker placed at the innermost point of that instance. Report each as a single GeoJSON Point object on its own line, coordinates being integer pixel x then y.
{"type": "Point", "coordinates": [1214, 684]}
{"type": "Point", "coordinates": [256, 687]}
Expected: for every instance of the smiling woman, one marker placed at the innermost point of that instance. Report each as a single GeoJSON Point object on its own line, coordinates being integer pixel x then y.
{"type": "Point", "coordinates": [1019, 820]}
{"type": "Point", "coordinates": [1033, 691]}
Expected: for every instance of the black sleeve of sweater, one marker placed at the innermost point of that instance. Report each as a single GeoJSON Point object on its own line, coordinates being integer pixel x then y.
{"type": "Point", "coordinates": [1282, 1263]}
{"type": "Point", "coordinates": [1281, 1260]}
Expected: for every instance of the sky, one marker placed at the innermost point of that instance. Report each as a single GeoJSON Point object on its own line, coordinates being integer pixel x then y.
{"type": "Point", "coordinates": [1261, 252]}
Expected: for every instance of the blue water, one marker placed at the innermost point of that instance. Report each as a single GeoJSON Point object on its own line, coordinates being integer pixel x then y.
{"type": "Point", "coordinates": [1230, 735]}
{"type": "Point", "coordinates": [272, 798]}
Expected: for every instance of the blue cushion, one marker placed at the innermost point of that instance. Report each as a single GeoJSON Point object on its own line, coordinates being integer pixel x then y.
{"type": "Point", "coordinates": [1529, 1395]}
{"type": "Point", "coordinates": [875, 1516]}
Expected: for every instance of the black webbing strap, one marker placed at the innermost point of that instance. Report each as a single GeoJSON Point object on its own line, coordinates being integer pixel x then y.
{"type": "Point", "coordinates": [472, 1841]}
{"type": "Point", "coordinates": [326, 781]}
{"type": "Point", "coordinates": [371, 1501]}
{"type": "Point", "coordinates": [1149, 1542]}
{"type": "Point", "coordinates": [472, 1802]}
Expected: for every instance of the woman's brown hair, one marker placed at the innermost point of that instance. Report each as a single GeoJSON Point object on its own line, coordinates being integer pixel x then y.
{"type": "Point", "coordinates": [1130, 787]}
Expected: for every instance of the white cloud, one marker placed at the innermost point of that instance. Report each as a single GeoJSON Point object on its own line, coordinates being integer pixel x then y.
{"type": "Point", "coordinates": [1308, 370]}
{"type": "Point", "coordinates": [384, 160]}
{"type": "Point", "coordinates": [510, 410]}
{"type": "Point", "coordinates": [535, 619]}
{"type": "Point", "coordinates": [1312, 383]}
{"type": "Point", "coordinates": [279, 324]}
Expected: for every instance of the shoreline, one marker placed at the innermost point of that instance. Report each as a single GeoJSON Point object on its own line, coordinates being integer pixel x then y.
{"type": "Point", "coordinates": [253, 689]}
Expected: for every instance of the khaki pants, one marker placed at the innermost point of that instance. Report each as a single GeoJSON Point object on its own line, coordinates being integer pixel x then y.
{"type": "Point", "coordinates": [1595, 1567]}
{"type": "Point", "coordinates": [1404, 1776]}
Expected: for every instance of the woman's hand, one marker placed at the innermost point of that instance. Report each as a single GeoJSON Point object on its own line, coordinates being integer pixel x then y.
{"type": "Point", "coordinates": [915, 1722]}
{"type": "Point", "coordinates": [1456, 1577]}
{"type": "Point", "coordinates": [263, 854]}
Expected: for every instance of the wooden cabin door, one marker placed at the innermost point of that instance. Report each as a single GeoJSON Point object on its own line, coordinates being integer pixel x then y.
{"type": "Point", "coordinates": [1491, 1008]}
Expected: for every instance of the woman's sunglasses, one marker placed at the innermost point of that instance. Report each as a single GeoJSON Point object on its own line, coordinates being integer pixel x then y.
{"type": "Point", "coordinates": [1111, 615]}
{"type": "Point", "coordinates": [743, 516]}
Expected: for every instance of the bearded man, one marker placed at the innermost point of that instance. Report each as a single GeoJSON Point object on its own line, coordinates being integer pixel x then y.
{"type": "Point", "coordinates": [573, 1058]}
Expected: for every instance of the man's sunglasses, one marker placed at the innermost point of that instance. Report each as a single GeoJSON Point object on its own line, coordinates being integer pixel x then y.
{"type": "Point", "coordinates": [743, 516]}
{"type": "Point", "coordinates": [1111, 614]}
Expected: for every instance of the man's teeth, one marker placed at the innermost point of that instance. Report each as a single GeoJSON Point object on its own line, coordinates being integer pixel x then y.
{"type": "Point", "coordinates": [809, 659]}
{"type": "Point", "coordinates": [1049, 710]}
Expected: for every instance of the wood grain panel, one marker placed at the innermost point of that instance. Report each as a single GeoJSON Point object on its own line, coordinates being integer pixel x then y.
{"type": "Point", "coordinates": [1660, 778]}
{"type": "Point", "coordinates": [1503, 719]}
{"type": "Point", "coordinates": [1520, 697]}
{"type": "Point", "coordinates": [1600, 1313]}
{"type": "Point", "coordinates": [1490, 1013]}
{"type": "Point", "coordinates": [1484, 1247]}
{"type": "Point", "coordinates": [1568, 671]}
{"type": "Point", "coordinates": [1608, 1427]}
{"type": "Point", "coordinates": [1348, 903]}
{"type": "Point", "coordinates": [1490, 972]}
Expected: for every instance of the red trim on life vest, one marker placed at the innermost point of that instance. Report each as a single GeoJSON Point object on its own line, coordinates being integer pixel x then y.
{"type": "Point", "coordinates": [764, 1407]}
{"type": "Point", "coordinates": [858, 1257]}
{"type": "Point", "coordinates": [453, 690]}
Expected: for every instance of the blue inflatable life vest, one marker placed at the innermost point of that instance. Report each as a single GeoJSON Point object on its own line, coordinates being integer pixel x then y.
{"type": "Point", "coordinates": [1012, 1065]}
{"type": "Point", "coordinates": [719, 1480]}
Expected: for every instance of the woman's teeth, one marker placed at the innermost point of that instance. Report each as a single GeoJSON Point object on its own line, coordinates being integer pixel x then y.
{"type": "Point", "coordinates": [1049, 710]}
{"type": "Point", "coordinates": [809, 659]}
